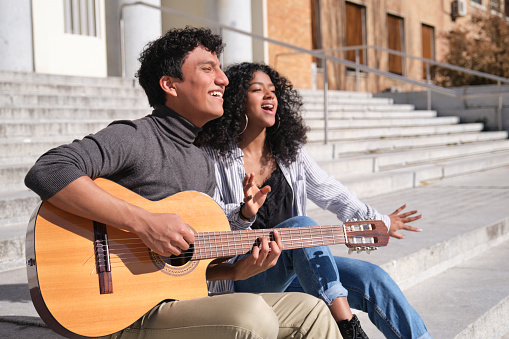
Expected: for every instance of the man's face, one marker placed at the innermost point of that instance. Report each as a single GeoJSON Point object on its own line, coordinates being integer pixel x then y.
{"type": "Point", "coordinates": [199, 96]}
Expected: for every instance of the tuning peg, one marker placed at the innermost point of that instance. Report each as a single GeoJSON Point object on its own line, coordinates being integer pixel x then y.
{"type": "Point", "coordinates": [357, 249]}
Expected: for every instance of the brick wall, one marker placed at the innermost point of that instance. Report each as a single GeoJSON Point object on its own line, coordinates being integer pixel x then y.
{"type": "Point", "coordinates": [290, 22]}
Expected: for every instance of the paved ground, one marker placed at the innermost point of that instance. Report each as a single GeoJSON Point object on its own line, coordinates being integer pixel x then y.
{"type": "Point", "coordinates": [457, 244]}
{"type": "Point", "coordinates": [477, 197]}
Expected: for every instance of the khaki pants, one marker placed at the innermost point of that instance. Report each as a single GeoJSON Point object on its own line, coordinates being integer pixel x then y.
{"type": "Point", "coordinates": [239, 315]}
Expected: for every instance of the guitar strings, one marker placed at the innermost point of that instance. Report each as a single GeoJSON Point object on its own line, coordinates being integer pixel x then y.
{"type": "Point", "coordinates": [140, 254]}
{"type": "Point", "coordinates": [209, 245]}
{"type": "Point", "coordinates": [222, 247]}
{"type": "Point", "coordinates": [216, 238]}
{"type": "Point", "coordinates": [204, 251]}
{"type": "Point", "coordinates": [220, 244]}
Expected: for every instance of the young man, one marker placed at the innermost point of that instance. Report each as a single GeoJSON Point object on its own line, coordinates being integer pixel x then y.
{"type": "Point", "coordinates": [154, 156]}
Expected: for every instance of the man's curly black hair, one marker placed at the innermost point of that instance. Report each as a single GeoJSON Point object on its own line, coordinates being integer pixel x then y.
{"type": "Point", "coordinates": [166, 55]}
{"type": "Point", "coordinates": [284, 138]}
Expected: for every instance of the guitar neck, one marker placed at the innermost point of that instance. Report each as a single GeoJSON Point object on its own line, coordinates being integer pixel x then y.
{"type": "Point", "coordinates": [229, 243]}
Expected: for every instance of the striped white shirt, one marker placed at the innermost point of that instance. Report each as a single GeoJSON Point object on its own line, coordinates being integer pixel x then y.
{"type": "Point", "coordinates": [307, 180]}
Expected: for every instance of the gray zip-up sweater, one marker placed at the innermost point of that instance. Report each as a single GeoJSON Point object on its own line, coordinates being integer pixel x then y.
{"type": "Point", "coordinates": [153, 156]}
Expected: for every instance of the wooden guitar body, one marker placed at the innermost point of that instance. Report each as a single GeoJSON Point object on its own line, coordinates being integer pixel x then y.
{"type": "Point", "coordinates": [62, 273]}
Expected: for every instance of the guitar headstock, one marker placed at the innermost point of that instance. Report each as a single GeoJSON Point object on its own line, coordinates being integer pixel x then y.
{"type": "Point", "coordinates": [365, 235]}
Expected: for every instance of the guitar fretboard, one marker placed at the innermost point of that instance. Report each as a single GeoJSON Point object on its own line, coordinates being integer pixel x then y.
{"type": "Point", "coordinates": [229, 243]}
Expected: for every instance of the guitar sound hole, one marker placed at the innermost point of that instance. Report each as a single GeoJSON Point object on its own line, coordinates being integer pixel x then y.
{"type": "Point", "coordinates": [179, 260]}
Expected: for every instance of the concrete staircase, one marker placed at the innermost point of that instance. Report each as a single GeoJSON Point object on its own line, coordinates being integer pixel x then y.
{"type": "Point", "coordinates": [39, 112]}
{"type": "Point", "coordinates": [378, 149]}
{"type": "Point", "coordinates": [454, 272]}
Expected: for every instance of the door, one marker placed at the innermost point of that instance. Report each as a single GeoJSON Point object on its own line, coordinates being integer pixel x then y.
{"type": "Point", "coordinates": [395, 42]}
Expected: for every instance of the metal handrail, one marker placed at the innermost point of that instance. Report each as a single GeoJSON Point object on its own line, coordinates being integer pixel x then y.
{"type": "Point", "coordinates": [356, 65]}
{"type": "Point", "coordinates": [406, 55]}
{"type": "Point", "coordinates": [428, 62]}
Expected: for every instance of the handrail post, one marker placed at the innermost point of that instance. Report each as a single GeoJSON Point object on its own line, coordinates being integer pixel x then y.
{"type": "Point", "coordinates": [357, 71]}
{"type": "Point", "coordinates": [122, 42]}
{"type": "Point", "coordinates": [221, 56]}
{"type": "Point", "coordinates": [428, 80]}
{"type": "Point", "coordinates": [499, 109]}
{"type": "Point", "coordinates": [325, 103]}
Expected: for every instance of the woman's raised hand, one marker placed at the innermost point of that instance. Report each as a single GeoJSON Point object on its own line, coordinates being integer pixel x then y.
{"type": "Point", "coordinates": [399, 222]}
{"type": "Point", "coordinates": [254, 197]}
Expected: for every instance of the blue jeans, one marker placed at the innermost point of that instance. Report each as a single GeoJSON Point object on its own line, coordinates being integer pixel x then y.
{"type": "Point", "coordinates": [317, 272]}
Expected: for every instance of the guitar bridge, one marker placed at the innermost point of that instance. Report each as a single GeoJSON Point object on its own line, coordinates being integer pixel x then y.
{"type": "Point", "coordinates": [102, 258]}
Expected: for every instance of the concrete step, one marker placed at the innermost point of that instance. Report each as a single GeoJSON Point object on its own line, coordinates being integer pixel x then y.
{"type": "Point", "coordinates": [316, 135]}
{"type": "Point", "coordinates": [395, 160]}
{"type": "Point", "coordinates": [12, 173]}
{"type": "Point", "coordinates": [469, 164]}
{"type": "Point", "coordinates": [14, 148]}
{"type": "Point", "coordinates": [35, 99]}
{"type": "Point", "coordinates": [318, 113]}
{"type": "Point", "coordinates": [335, 100]}
{"type": "Point", "coordinates": [467, 300]}
{"type": "Point", "coordinates": [377, 162]}
{"type": "Point", "coordinates": [40, 128]}
{"type": "Point", "coordinates": [372, 184]}
{"type": "Point", "coordinates": [66, 79]}
{"type": "Point", "coordinates": [367, 184]}
{"type": "Point", "coordinates": [369, 123]}
{"type": "Point", "coordinates": [310, 93]}
{"type": "Point", "coordinates": [463, 286]}
{"type": "Point", "coordinates": [70, 89]}
{"type": "Point", "coordinates": [17, 206]}
{"type": "Point", "coordinates": [362, 146]}
{"type": "Point", "coordinates": [12, 246]}
{"type": "Point", "coordinates": [361, 107]}
{"type": "Point", "coordinates": [454, 272]}
{"type": "Point", "coordinates": [22, 112]}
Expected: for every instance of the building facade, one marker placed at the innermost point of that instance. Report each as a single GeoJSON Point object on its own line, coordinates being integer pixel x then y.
{"type": "Point", "coordinates": [104, 38]}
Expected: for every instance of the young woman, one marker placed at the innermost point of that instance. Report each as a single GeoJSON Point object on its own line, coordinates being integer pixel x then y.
{"type": "Point", "coordinates": [257, 147]}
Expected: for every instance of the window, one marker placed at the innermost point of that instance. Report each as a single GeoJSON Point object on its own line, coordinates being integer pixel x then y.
{"type": "Point", "coordinates": [355, 30]}
{"type": "Point", "coordinates": [496, 5]}
{"type": "Point", "coordinates": [481, 4]}
{"type": "Point", "coordinates": [428, 47]}
{"type": "Point", "coordinates": [81, 17]}
{"type": "Point", "coordinates": [395, 41]}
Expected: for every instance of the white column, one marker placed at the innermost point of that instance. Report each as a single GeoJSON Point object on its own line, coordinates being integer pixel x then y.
{"type": "Point", "coordinates": [141, 25]}
{"type": "Point", "coordinates": [236, 13]}
{"type": "Point", "coordinates": [16, 51]}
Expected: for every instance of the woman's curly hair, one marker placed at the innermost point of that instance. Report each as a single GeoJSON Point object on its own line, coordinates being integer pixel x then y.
{"type": "Point", "coordinates": [284, 138]}
{"type": "Point", "coordinates": [166, 55]}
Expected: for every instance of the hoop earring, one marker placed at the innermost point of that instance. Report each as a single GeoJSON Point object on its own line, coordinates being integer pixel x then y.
{"type": "Point", "coordinates": [278, 124]}
{"type": "Point", "coordinates": [247, 120]}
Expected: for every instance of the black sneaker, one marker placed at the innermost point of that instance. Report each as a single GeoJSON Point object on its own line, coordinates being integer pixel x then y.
{"type": "Point", "coordinates": [351, 329]}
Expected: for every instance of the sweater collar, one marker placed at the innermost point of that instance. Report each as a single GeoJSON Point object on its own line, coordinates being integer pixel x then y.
{"type": "Point", "coordinates": [176, 127]}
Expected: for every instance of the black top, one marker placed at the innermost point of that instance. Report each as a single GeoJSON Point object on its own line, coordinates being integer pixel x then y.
{"type": "Point", "coordinates": [278, 205]}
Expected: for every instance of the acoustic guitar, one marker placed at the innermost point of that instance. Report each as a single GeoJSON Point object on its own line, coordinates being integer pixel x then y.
{"type": "Point", "coordinates": [88, 279]}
